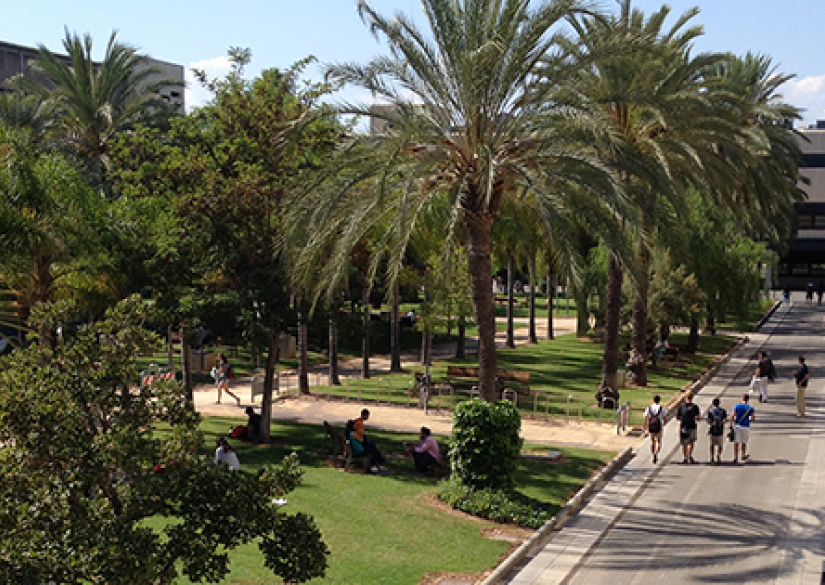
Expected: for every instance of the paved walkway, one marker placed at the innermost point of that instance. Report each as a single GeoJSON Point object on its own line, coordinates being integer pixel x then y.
{"type": "Point", "coordinates": [758, 522]}
{"type": "Point", "coordinates": [315, 411]}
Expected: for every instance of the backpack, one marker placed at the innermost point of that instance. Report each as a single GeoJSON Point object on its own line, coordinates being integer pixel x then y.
{"type": "Point", "coordinates": [654, 422]}
{"type": "Point", "coordinates": [717, 423]}
{"type": "Point", "coordinates": [771, 371]}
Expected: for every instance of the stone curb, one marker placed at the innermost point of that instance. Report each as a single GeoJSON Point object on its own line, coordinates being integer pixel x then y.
{"type": "Point", "coordinates": [557, 522]}
{"type": "Point", "coordinates": [768, 314]}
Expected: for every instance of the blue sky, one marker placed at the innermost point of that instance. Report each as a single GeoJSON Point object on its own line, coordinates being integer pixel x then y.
{"type": "Point", "coordinates": [280, 32]}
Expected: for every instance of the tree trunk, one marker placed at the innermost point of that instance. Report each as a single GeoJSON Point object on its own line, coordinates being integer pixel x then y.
{"type": "Point", "coordinates": [532, 337]}
{"type": "Point", "coordinates": [334, 379]}
{"type": "Point", "coordinates": [550, 296]}
{"type": "Point", "coordinates": [365, 339]}
{"type": "Point", "coordinates": [610, 362]}
{"type": "Point", "coordinates": [693, 337]}
{"type": "Point", "coordinates": [582, 314]}
{"type": "Point", "coordinates": [170, 347]}
{"type": "Point", "coordinates": [303, 342]}
{"type": "Point", "coordinates": [186, 366]}
{"type": "Point", "coordinates": [511, 276]}
{"type": "Point", "coordinates": [481, 270]}
{"type": "Point", "coordinates": [395, 331]}
{"type": "Point", "coordinates": [461, 342]}
{"type": "Point", "coordinates": [710, 320]}
{"type": "Point", "coordinates": [638, 372]}
{"type": "Point", "coordinates": [272, 357]}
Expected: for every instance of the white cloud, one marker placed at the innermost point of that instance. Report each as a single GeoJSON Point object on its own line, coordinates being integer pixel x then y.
{"type": "Point", "coordinates": [197, 95]}
{"type": "Point", "coordinates": [807, 93]}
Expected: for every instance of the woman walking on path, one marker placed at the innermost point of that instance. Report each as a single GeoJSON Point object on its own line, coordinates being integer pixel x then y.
{"type": "Point", "coordinates": [224, 374]}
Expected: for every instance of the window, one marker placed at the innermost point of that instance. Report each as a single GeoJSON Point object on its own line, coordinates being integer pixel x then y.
{"type": "Point", "coordinates": [800, 269]}
{"type": "Point", "coordinates": [818, 269]}
{"type": "Point", "coordinates": [805, 221]}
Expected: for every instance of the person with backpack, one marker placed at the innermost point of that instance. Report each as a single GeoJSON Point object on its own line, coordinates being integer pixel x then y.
{"type": "Point", "coordinates": [741, 418]}
{"type": "Point", "coordinates": [717, 417]}
{"type": "Point", "coordinates": [765, 372]}
{"type": "Point", "coordinates": [655, 419]}
{"type": "Point", "coordinates": [688, 415]}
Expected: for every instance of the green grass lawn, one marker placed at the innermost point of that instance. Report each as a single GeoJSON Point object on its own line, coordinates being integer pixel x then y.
{"type": "Point", "coordinates": [380, 529]}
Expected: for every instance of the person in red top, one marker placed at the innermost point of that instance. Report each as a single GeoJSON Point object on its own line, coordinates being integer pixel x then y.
{"type": "Point", "coordinates": [364, 443]}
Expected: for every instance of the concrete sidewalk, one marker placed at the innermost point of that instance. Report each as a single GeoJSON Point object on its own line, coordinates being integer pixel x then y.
{"type": "Point", "coordinates": [758, 522]}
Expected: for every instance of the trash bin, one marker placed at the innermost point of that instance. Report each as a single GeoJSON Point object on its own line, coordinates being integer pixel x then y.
{"type": "Point", "coordinates": [621, 378]}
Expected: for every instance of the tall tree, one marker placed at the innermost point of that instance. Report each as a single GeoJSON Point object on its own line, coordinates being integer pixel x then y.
{"type": "Point", "coordinates": [468, 123]}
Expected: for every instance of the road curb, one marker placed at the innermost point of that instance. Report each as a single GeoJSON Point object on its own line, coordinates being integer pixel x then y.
{"type": "Point", "coordinates": [557, 522]}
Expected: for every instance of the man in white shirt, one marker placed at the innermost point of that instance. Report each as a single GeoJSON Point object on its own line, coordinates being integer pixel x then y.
{"type": "Point", "coordinates": [655, 419]}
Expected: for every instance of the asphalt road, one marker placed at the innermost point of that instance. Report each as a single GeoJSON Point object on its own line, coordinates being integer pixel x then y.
{"type": "Point", "coordinates": [757, 522]}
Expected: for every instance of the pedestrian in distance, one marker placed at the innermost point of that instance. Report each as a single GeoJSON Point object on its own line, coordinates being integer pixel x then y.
{"type": "Point", "coordinates": [820, 290]}
{"type": "Point", "coordinates": [688, 415]}
{"type": "Point", "coordinates": [741, 418]}
{"type": "Point", "coordinates": [765, 373]}
{"type": "Point", "coordinates": [655, 419]}
{"type": "Point", "coordinates": [809, 292]}
{"type": "Point", "coordinates": [786, 294]}
{"type": "Point", "coordinates": [802, 376]}
{"type": "Point", "coordinates": [717, 417]}
{"type": "Point", "coordinates": [225, 374]}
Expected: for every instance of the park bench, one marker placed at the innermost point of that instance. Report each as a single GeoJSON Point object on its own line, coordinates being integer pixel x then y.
{"type": "Point", "coordinates": [468, 376]}
{"type": "Point", "coordinates": [341, 448]}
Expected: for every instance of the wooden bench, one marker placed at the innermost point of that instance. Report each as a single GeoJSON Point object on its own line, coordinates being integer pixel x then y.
{"type": "Point", "coordinates": [341, 448]}
{"type": "Point", "coordinates": [465, 375]}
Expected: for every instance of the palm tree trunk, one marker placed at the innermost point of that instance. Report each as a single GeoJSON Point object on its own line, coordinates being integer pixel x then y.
{"type": "Point", "coordinates": [693, 337]}
{"type": "Point", "coordinates": [638, 371]}
{"type": "Point", "coordinates": [303, 341]}
{"type": "Point", "coordinates": [395, 331]}
{"type": "Point", "coordinates": [365, 339]}
{"type": "Point", "coordinates": [461, 342]}
{"type": "Point", "coordinates": [550, 296]}
{"type": "Point", "coordinates": [610, 363]}
{"type": "Point", "coordinates": [582, 314]}
{"type": "Point", "coordinates": [272, 357]}
{"type": "Point", "coordinates": [334, 379]}
{"type": "Point", "coordinates": [511, 276]}
{"type": "Point", "coordinates": [481, 270]}
{"type": "Point", "coordinates": [186, 366]}
{"type": "Point", "coordinates": [710, 320]}
{"type": "Point", "coordinates": [532, 337]}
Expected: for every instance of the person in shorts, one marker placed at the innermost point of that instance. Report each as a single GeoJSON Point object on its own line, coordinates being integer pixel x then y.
{"type": "Point", "coordinates": [655, 419]}
{"type": "Point", "coordinates": [717, 417]}
{"type": "Point", "coordinates": [743, 414]}
{"type": "Point", "coordinates": [688, 415]}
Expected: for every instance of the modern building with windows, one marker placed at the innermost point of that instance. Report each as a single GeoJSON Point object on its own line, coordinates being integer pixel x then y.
{"type": "Point", "coordinates": [17, 59]}
{"type": "Point", "coordinates": [805, 261]}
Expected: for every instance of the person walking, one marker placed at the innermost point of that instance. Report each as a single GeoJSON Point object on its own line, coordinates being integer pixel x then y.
{"type": "Point", "coordinates": [655, 419]}
{"type": "Point", "coordinates": [743, 415]}
{"type": "Point", "coordinates": [717, 417]}
{"type": "Point", "coordinates": [688, 415]}
{"type": "Point", "coordinates": [224, 375]}
{"type": "Point", "coordinates": [802, 375]}
{"type": "Point", "coordinates": [765, 372]}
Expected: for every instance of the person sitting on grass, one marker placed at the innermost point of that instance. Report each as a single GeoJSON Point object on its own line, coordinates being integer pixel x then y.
{"type": "Point", "coordinates": [226, 453]}
{"type": "Point", "coordinates": [425, 453]}
{"type": "Point", "coordinates": [360, 444]}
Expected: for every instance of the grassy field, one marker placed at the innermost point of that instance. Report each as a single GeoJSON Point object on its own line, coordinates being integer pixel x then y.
{"type": "Point", "coordinates": [382, 529]}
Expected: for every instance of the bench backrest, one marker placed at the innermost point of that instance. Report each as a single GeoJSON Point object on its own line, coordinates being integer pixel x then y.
{"type": "Point", "coordinates": [463, 371]}
{"type": "Point", "coordinates": [334, 434]}
{"type": "Point", "coordinates": [469, 372]}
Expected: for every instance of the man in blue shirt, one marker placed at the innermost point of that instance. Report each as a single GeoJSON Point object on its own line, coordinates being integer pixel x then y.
{"type": "Point", "coordinates": [743, 414]}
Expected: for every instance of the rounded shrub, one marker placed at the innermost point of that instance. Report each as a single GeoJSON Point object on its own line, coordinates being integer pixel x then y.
{"type": "Point", "coordinates": [485, 444]}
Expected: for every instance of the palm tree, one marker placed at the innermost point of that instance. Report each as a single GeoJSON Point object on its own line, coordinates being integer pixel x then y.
{"type": "Point", "coordinates": [650, 88]}
{"type": "Point", "coordinates": [96, 101]}
{"type": "Point", "coordinates": [466, 120]}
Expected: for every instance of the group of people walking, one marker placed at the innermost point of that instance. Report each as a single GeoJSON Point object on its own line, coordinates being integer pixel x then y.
{"type": "Point", "coordinates": [738, 422]}
{"type": "Point", "coordinates": [689, 416]}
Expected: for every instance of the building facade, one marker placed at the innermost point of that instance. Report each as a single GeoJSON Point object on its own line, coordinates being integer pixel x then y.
{"type": "Point", "coordinates": [805, 262]}
{"type": "Point", "coordinates": [17, 59]}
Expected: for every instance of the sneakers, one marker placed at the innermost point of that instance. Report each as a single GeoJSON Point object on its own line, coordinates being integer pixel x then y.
{"type": "Point", "coordinates": [746, 457]}
{"type": "Point", "coordinates": [692, 460]}
{"type": "Point", "coordinates": [735, 460]}
{"type": "Point", "coordinates": [684, 461]}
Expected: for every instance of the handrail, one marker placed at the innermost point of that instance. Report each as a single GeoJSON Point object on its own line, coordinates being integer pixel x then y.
{"type": "Point", "coordinates": [576, 397]}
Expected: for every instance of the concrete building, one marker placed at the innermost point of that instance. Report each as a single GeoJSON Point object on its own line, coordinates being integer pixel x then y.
{"type": "Point", "coordinates": [17, 59]}
{"type": "Point", "coordinates": [805, 261]}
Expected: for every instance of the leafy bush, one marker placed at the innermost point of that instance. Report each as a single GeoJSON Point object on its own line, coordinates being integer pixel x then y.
{"type": "Point", "coordinates": [485, 444]}
{"type": "Point", "coordinates": [507, 507]}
